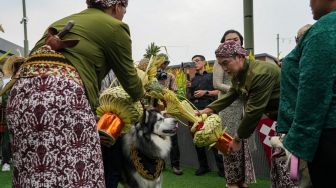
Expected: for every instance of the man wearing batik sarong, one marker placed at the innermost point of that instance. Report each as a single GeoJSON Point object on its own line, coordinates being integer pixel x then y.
{"type": "Point", "coordinates": [256, 82]}
{"type": "Point", "coordinates": [51, 107]}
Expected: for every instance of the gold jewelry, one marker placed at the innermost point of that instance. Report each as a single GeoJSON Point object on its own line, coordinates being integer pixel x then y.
{"type": "Point", "coordinates": [140, 167]}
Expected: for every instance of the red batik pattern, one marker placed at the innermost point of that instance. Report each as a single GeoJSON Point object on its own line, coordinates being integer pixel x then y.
{"type": "Point", "coordinates": [53, 134]}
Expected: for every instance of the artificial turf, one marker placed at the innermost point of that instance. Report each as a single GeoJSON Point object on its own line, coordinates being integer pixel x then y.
{"type": "Point", "coordinates": [170, 180]}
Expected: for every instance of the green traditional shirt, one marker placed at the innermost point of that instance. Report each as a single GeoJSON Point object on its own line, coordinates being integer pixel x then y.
{"type": "Point", "coordinates": [258, 84]}
{"type": "Point", "coordinates": [308, 89]}
{"type": "Point", "coordinates": [104, 44]}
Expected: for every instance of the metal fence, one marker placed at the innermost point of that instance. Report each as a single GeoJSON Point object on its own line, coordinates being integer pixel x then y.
{"type": "Point", "coordinates": [189, 158]}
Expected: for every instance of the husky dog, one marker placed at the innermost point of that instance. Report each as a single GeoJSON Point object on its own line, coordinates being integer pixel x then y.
{"type": "Point", "coordinates": [144, 148]}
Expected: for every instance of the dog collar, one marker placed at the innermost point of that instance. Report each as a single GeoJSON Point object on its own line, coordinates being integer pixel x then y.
{"type": "Point", "coordinates": [163, 138]}
{"type": "Point", "coordinates": [148, 168]}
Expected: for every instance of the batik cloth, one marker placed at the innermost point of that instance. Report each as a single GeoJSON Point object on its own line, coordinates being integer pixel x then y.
{"type": "Point", "coordinates": [53, 132]}
{"type": "Point", "coordinates": [239, 166]}
{"type": "Point", "coordinates": [279, 170]}
{"type": "Point", "coordinates": [230, 49]}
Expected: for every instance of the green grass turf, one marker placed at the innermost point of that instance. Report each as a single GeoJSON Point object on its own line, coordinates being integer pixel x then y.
{"type": "Point", "coordinates": [170, 180]}
{"type": "Point", "coordinates": [5, 179]}
{"type": "Point", "coordinates": [209, 180]}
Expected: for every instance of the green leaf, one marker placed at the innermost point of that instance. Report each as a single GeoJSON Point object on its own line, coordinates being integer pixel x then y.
{"type": "Point", "coordinates": [5, 54]}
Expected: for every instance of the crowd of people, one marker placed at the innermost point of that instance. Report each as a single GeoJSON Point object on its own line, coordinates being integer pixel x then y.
{"type": "Point", "coordinates": [50, 115]}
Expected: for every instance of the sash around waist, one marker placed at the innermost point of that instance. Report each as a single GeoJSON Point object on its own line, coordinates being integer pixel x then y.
{"type": "Point", "coordinates": [48, 65]}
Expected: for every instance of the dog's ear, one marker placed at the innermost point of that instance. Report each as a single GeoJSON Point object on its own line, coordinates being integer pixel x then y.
{"type": "Point", "coordinates": [145, 116]}
{"type": "Point", "coordinates": [142, 124]}
{"type": "Point", "coordinates": [148, 122]}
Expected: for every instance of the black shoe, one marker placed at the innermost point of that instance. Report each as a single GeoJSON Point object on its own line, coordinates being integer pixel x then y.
{"type": "Point", "coordinates": [177, 170]}
{"type": "Point", "coordinates": [201, 171]}
{"type": "Point", "coordinates": [220, 173]}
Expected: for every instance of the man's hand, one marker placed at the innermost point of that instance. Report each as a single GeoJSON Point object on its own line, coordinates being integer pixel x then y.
{"type": "Point", "coordinates": [200, 93]}
{"type": "Point", "coordinates": [188, 83]}
{"type": "Point", "coordinates": [204, 111]}
{"type": "Point", "coordinates": [234, 146]}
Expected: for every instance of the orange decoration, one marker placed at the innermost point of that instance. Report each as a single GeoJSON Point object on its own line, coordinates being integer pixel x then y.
{"type": "Point", "coordinates": [223, 143]}
{"type": "Point", "coordinates": [110, 125]}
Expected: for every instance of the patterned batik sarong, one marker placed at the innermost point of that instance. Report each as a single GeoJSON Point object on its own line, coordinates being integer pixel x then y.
{"type": "Point", "coordinates": [279, 170]}
{"type": "Point", "coordinates": [238, 166]}
{"type": "Point", "coordinates": [54, 138]}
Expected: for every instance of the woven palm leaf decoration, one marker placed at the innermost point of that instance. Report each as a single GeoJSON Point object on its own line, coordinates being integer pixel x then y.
{"type": "Point", "coordinates": [9, 67]}
{"type": "Point", "coordinates": [117, 101]}
{"type": "Point", "coordinates": [207, 131]}
{"type": "Point", "coordinates": [117, 112]}
{"type": "Point", "coordinates": [211, 133]}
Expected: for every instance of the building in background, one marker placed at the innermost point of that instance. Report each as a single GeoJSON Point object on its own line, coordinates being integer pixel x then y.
{"type": "Point", "coordinates": [6, 45]}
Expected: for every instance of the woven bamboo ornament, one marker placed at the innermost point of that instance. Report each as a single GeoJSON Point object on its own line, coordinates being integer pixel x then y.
{"type": "Point", "coordinates": [117, 112]}
{"type": "Point", "coordinates": [210, 133]}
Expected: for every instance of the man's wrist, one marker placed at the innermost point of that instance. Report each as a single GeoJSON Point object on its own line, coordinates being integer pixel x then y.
{"type": "Point", "coordinates": [236, 139]}
{"type": "Point", "coordinates": [206, 92]}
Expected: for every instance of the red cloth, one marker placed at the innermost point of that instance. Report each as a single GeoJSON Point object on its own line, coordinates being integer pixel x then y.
{"type": "Point", "coordinates": [266, 129]}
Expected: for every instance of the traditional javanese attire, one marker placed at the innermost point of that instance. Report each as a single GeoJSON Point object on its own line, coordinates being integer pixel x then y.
{"type": "Point", "coordinates": [51, 107]}
{"type": "Point", "coordinates": [238, 165]}
{"type": "Point", "coordinates": [258, 85]}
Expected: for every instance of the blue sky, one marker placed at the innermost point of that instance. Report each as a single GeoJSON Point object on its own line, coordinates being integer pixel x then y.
{"type": "Point", "coordinates": [186, 27]}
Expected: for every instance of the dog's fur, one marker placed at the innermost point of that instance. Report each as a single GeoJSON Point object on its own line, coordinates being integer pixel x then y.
{"type": "Point", "coordinates": [276, 142]}
{"type": "Point", "coordinates": [151, 137]}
